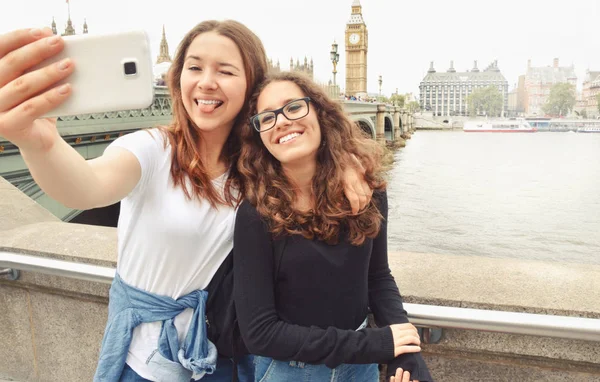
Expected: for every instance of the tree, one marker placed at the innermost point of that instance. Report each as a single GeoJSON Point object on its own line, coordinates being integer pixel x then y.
{"type": "Point", "coordinates": [486, 100]}
{"type": "Point", "coordinates": [397, 99]}
{"type": "Point", "coordinates": [561, 99]}
{"type": "Point", "coordinates": [413, 106]}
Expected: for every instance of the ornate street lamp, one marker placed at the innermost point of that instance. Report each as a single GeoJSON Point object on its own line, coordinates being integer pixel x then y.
{"type": "Point", "coordinates": [335, 58]}
{"type": "Point", "coordinates": [380, 82]}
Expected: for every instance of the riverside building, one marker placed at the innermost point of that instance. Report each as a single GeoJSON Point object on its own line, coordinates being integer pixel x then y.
{"type": "Point", "coordinates": [537, 83]}
{"type": "Point", "coordinates": [446, 93]}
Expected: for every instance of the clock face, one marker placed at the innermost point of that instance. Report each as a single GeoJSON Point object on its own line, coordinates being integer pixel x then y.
{"type": "Point", "coordinates": [354, 38]}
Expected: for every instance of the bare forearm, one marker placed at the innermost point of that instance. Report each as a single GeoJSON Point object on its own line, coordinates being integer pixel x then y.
{"type": "Point", "coordinates": [63, 174]}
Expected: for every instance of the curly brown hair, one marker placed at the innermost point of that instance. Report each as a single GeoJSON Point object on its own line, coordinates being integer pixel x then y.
{"type": "Point", "coordinates": [186, 162]}
{"type": "Point", "coordinates": [272, 193]}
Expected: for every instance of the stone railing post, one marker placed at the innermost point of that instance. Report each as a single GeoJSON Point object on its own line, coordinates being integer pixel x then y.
{"type": "Point", "coordinates": [405, 126]}
{"type": "Point", "coordinates": [405, 120]}
{"type": "Point", "coordinates": [380, 126]}
{"type": "Point", "coordinates": [399, 141]}
{"type": "Point", "coordinates": [397, 127]}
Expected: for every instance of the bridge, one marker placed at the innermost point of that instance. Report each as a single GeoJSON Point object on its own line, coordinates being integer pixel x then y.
{"type": "Point", "coordinates": [90, 134]}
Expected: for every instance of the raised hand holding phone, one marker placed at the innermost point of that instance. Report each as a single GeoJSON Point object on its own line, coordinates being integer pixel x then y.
{"type": "Point", "coordinates": [37, 80]}
{"type": "Point", "coordinates": [39, 72]}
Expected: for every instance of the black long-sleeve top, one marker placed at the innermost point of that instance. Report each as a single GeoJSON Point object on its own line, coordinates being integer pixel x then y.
{"type": "Point", "coordinates": [320, 296]}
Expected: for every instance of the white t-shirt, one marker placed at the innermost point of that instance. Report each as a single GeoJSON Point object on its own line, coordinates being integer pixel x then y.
{"type": "Point", "coordinates": [168, 245]}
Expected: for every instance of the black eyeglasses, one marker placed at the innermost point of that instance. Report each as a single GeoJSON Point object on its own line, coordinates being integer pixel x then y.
{"type": "Point", "coordinates": [292, 110]}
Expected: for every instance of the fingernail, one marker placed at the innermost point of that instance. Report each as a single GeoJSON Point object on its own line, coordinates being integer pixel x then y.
{"type": "Point", "coordinates": [64, 64]}
{"type": "Point", "coordinates": [36, 32]}
{"type": "Point", "coordinates": [53, 40]}
{"type": "Point", "coordinates": [63, 89]}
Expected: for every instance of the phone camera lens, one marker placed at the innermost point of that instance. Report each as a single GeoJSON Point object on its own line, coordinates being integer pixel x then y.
{"type": "Point", "coordinates": [130, 68]}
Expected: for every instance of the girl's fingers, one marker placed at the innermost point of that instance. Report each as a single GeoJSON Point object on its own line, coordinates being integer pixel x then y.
{"type": "Point", "coordinates": [414, 340]}
{"type": "Point", "coordinates": [408, 349]}
{"type": "Point", "coordinates": [368, 192]}
{"type": "Point", "coordinates": [16, 62]}
{"type": "Point", "coordinates": [406, 377]}
{"type": "Point", "coordinates": [406, 332]}
{"type": "Point", "coordinates": [13, 121]}
{"type": "Point", "coordinates": [398, 376]}
{"type": "Point", "coordinates": [363, 197]}
{"type": "Point", "coordinates": [13, 40]}
{"type": "Point", "coordinates": [406, 339]}
{"type": "Point", "coordinates": [354, 201]}
{"type": "Point", "coordinates": [31, 84]}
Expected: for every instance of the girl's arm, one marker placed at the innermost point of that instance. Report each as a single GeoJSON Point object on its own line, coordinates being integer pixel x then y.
{"type": "Point", "coordinates": [68, 178]}
{"type": "Point", "coordinates": [25, 97]}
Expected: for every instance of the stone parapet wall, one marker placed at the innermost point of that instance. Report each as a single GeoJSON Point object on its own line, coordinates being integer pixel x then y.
{"type": "Point", "coordinates": [16, 209]}
{"type": "Point", "coordinates": [508, 285]}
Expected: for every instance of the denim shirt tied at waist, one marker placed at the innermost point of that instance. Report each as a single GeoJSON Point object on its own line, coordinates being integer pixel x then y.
{"type": "Point", "coordinates": [128, 307]}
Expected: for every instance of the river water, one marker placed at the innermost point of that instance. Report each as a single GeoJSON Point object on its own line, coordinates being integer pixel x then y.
{"type": "Point", "coordinates": [528, 196]}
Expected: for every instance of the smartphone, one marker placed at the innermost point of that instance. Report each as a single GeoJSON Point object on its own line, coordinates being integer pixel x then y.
{"type": "Point", "coordinates": [112, 72]}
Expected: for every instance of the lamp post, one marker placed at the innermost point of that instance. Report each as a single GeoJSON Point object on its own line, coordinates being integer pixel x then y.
{"type": "Point", "coordinates": [380, 82]}
{"type": "Point", "coordinates": [335, 58]}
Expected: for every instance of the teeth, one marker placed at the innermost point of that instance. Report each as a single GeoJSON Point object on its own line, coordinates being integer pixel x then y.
{"type": "Point", "coordinates": [208, 101]}
{"type": "Point", "coordinates": [288, 137]}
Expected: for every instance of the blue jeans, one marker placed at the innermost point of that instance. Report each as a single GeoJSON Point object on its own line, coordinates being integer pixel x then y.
{"type": "Point", "coordinates": [270, 370]}
{"type": "Point", "coordinates": [222, 373]}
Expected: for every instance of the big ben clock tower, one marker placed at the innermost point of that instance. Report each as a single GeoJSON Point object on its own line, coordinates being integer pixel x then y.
{"type": "Point", "coordinates": [357, 39]}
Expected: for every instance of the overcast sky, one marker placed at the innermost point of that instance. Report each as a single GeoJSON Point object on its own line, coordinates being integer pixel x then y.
{"type": "Point", "coordinates": [404, 36]}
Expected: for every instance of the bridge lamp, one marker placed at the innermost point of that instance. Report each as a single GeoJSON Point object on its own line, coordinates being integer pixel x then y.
{"type": "Point", "coordinates": [335, 58]}
{"type": "Point", "coordinates": [380, 82]}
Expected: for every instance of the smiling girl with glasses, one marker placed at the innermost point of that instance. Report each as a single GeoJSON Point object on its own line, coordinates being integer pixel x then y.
{"type": "Point", "coordinates": [306, 269]}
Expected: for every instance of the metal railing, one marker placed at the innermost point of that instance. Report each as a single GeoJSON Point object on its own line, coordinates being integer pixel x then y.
{"type": "Point", "coordinates": [87, 272]}
{"type": "Point", "coordinates": [429, 316]}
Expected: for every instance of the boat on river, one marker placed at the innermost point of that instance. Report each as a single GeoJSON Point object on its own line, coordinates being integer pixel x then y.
{"type": "Point", "coordinates": [506, 126]}
{"type": "Point", "coordinates": [565, 124]}
{"type": "Point", "coordinates": [590, 129]}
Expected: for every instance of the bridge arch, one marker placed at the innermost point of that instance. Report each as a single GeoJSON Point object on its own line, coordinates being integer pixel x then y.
{"type": "Point", "coordinates": [389, 127]}
{"type": "Point", "coordinates": [366, 126]}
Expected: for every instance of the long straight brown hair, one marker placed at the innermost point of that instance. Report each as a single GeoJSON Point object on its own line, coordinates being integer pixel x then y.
{"type": "Point", "coordinates": [186, 163]}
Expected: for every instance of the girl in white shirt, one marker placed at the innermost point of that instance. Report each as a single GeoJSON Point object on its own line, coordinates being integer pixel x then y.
{"type": "Point", "coordinates": [178, 188]}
